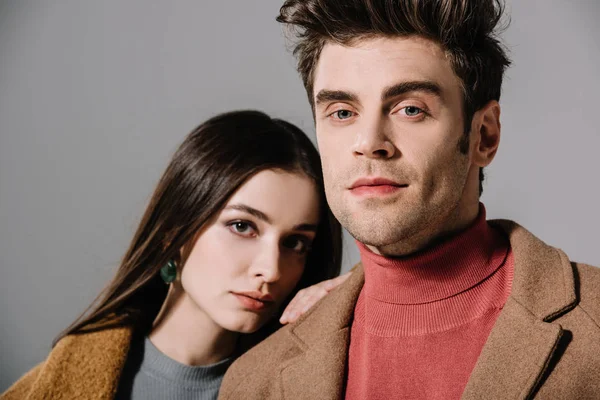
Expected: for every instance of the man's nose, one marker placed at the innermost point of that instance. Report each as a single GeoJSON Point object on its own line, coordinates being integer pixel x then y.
{"type": "Point", "coordinates": [373, 142]}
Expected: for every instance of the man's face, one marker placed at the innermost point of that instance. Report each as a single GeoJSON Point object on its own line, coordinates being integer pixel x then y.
{"type": "Point", "coordinates": [389, 122]}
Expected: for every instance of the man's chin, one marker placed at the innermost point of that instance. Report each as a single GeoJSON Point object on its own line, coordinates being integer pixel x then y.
{"type": "Point", "coordinates": [381, 230]}
{"type": "Point", "coordinates": [375, 238]}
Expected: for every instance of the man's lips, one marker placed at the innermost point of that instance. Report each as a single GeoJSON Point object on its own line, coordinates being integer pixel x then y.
{"type": "Point", "coordinates": [254, 300]}
{"type": "Point", "coordinates": [375, 186]}
{"type": "Point", "coordinates": [375, 181]}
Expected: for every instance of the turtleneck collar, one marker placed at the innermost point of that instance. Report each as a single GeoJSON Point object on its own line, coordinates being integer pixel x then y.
{"type": "Point", "coordinates": [442, 271]}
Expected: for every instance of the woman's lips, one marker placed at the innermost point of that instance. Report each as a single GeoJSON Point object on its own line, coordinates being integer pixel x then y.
{"type": "Point", "coordinates": [254, 301]}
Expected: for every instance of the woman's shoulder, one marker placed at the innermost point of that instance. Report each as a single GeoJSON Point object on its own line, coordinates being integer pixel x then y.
{"type": "Point", "coordinates": [79, 365]}
{"type": "Point", "coordinates": [21, 388]}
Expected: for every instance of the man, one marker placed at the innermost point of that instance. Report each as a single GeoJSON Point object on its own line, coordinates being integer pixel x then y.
{"type": "Point", "coordinates": [446, 304]}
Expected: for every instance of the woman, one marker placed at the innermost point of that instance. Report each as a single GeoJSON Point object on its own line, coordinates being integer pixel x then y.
{"type": "Point", "coordinates": [237, 225]}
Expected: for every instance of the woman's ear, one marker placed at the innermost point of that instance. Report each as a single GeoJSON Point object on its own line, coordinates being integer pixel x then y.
{"type": "Point", "coordinates": [485, 134]}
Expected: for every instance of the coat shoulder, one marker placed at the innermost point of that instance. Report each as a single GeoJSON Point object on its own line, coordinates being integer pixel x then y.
{"type": "Point", "coordinates": [254, 369]}
{"type": "Point", "coordinates": [21, 388]}
{"type": "Point", "coordinates": [589, 290]}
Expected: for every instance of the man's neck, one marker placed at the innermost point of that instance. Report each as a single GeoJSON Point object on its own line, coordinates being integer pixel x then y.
{"type": "Point", "coordinates": [455, 222]}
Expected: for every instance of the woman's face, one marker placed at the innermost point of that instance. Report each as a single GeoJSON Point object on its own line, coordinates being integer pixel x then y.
{"type": "Point", "coordinates": [252, 254]}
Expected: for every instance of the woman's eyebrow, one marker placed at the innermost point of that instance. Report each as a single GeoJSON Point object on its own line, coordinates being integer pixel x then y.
{"type": "Point", "coordinates": [306, 227]}
{"type": "Point", "coordinates": [250, 210]}
{"type": "Point", "coordinates": [264, 217]}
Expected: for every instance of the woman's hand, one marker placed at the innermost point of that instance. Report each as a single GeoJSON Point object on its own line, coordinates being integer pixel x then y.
{"type": "Point", "coordinates": [306, 298]}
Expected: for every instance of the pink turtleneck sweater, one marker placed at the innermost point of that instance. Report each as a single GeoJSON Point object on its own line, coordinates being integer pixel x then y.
{"type": "Point", "coordinates": [421, 321]}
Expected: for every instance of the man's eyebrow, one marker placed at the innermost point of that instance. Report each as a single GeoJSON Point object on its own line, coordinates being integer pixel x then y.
{"type": "Point", "coordinates": [250, 210]}
{"type": "Point", "coordinates": [262, 216]}
{"type": "Point", "coordinates": [325, 96]}
{"type": "Point", "coordinates": [411, 86]}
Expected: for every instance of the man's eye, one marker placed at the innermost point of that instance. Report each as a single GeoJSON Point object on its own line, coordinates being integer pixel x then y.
{"type": "Point", "coordinates": [412, 111]}
{"type": "Point", "coordinates": [343, 114]}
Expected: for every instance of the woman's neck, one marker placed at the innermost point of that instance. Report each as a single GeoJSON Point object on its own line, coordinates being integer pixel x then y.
{"type": "Point", "coordinates": [186, 334]}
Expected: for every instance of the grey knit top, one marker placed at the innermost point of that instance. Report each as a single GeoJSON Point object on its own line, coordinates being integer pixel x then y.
{"type": "Point", "coordinates": [150, 374]}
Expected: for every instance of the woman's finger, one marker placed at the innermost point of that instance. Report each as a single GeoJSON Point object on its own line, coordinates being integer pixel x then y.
{"type": "Point", "coordinates": [308, 297]}
{"type": "Point", "coordinates": [331, 284]}
{"type": "Point", "coordinates": [292, 307]}
{"type": "Point", "coordinates": [312, 300]}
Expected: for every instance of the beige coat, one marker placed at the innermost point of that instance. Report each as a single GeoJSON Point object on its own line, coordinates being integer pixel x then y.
{"type": "Point", "coordinates": [84, 366]}
{"type": "Point", "coordinates": [545, 343]}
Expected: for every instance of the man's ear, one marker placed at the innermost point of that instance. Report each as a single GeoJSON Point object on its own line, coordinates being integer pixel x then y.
{"type": "Point", "coordinates": [485, 134]}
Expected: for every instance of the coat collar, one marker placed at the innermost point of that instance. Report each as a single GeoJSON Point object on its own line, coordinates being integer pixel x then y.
{"type": "Point", "coordinates": [84, 366]}
{"type": "Point", "coordinates": [544, 282]}
{"type": "Point", "coordinates": [514, 359]}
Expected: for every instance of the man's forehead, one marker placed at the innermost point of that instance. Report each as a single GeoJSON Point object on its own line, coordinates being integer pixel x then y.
{"type": "Point", "coordinates": [378, 63]}
{"type": "Point", "coordinates": [383, 44]}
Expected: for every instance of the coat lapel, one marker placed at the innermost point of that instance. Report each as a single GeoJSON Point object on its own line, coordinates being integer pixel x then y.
{"type": "Point", "coordinates": [523, 342]}
{"type": "Point", "coordinates": [514, 357]}
{"type": "Point", "coordinates": [319, 371]}
{"type": "Point", "coordinates": [322, 367]}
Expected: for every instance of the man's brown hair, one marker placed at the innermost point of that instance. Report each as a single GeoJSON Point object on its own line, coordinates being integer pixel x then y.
{"type": "Point", "coordinates": [466, 30]}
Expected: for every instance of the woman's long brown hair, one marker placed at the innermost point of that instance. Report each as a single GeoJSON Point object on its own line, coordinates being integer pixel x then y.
{"type": "Point", "coordinates": [213, 161]}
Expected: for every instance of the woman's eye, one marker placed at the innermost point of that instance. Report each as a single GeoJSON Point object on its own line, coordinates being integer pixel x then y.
{"type": "Point", "coordinates": [242, 228]}
{"type": "Point", "coordinates": [412, 111]}
{"type": "Point", "coordinates": [343, 114]}
{"type": "Point", "coordinates": [297, 244]}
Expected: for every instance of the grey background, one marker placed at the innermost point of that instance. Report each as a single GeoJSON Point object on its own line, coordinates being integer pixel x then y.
{"type": "Point", "coordinates": [95, 97]}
